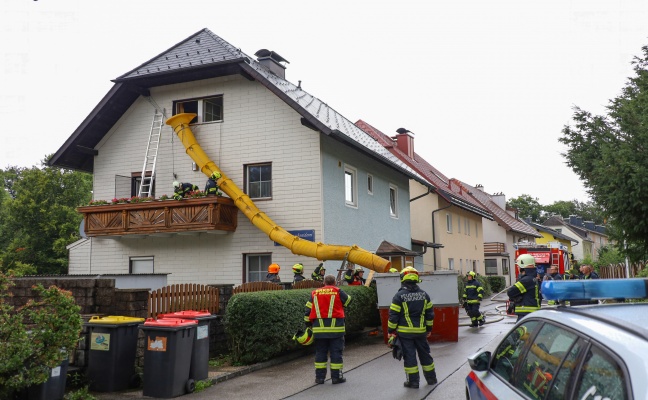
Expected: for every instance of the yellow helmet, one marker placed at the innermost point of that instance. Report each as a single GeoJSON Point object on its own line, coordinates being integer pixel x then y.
{"type": "Point", "coordinates": [471, 273]}
{"type": "Point", "coordinates": [215, 176]}
{"type": "Point", "coordinates": [304, 337]}
{"type": "Point", "coordinates": [298, 268]}
{"type": "Point", "coordinates": [525, 261]}
{"type": "Point", "coordinates": [392, 270]}
{"type": "Point", "coordinates": [409, 274]}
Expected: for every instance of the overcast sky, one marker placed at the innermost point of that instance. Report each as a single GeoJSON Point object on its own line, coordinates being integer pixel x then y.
{"type": "Point", "coordinates": [486, 86]}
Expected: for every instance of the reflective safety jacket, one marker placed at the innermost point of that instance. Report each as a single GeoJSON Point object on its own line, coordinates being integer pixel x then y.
{"type": "Point", "coordinates": [325, 310]}
{"type": "Point", "coordinates": [316, 275]}
{"type": "Point", "coordinates": [411, 311]}
{"type": "Point", "coordinates": [211, 187]}
{"type": "Point", "coordinates": [474, 292]}
{"type": "Point", "coordinates": [526, 294]}
{"type": "Point", "coordinates": [298, 278]}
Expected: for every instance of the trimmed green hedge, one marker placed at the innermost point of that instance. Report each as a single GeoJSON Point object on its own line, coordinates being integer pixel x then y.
{"type": "Point", "coordinates": [260, 325]}
{"type": "Point", "coordinates": [497, 283]}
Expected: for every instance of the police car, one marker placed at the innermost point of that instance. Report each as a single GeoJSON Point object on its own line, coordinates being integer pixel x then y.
{"type": "Point", "coordinates": [592, 352]}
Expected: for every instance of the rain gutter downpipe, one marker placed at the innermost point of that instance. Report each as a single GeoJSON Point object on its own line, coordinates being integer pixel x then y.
{"type": "Point", "coordinates": [433, 227]}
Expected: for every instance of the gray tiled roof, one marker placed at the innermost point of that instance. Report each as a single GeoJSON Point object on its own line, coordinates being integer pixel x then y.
{"type": "Point", "coordinates": [200, 49]}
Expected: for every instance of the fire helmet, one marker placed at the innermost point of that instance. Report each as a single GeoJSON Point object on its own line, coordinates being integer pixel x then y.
{"type": "Point", "coordinates": [298, 268]}
{"type": "Point", "coordinates": [215, 176]}
{"type": "Point", "coordinates": [176, 184]}
{"type": "Point", "coordinates": [525, 261]}
{"type": "Point", "coordinates": [273, 268]}
{"type": "Point", "coordinates": [471, 273]}
{"type": "Point", "coordinates": [358, 270]}
{"type": "Point", "coordinates": [409, 274]}
{"type": "Point", "coordinates": [392, 270]}
{"type": "Point", "coordinates": [304, 337]}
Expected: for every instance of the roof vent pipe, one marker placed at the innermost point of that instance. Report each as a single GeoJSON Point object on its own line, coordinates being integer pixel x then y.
{"type": "Point", "coordinates": [272, 61]}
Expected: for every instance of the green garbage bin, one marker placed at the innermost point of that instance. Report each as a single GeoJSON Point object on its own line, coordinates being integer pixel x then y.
{"type": "Point", "coordinates": [167, 356]}
{"type": "Point", "coordinates": [200, 354]}
{"type": "Point", "coordinates": [112, 353]}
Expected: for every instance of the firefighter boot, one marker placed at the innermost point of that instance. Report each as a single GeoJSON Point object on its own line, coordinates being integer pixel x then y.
{"type": "Point", "coordinates": [412, 381]}
{"type": "Point", "coordinates": [431, 378]}
{"type": "Point", "coordinates": [320, 375]}
{"type": "Point", "coordinates": [337, 376]}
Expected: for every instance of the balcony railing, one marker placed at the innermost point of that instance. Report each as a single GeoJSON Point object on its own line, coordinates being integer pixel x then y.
{"type": "Point", "coordinates": [494, 248]}
{"type": "Point", "coordinates": [157, 217]}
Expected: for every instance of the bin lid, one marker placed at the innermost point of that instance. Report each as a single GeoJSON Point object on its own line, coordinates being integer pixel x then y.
{"type": "Point", "coordinates": [170, 322]}
{"type": "Point", "coordinates": [187, 314]}
{"type": "Point", "coordinates": [114, 320]}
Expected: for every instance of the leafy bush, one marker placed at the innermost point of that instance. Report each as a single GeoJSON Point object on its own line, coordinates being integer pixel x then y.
{"type": "Point", "coordinates": [33, 337]}
{"type": "Point", "coordinates": [497, 283]}
{"type": "Point", "coordinates": [261, 325]}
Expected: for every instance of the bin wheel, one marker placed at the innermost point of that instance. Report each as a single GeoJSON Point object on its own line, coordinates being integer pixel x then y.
{"type": "Point", "coordinates": [190, 386]}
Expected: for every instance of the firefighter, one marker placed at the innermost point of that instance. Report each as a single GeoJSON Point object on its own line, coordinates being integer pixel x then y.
{"type": "Point", "coordinates": [182, 190]}
{"type": "Point", "coordinates": [273, 273]}
{"type": "Point", "coordinates": [318, 274]}
{"type": "Point", "coordinates": [349, 273]}
{"type": "Point", "coordinates": [526, 291]}
{"type": "Point", "coordinates": [325, 314]}
{"type": "Point", "coordinates": [410, 318]}
{"type": "Point", "coordinates": [358, 277]}
{"type": "Point", "coordinates": [211, 187]}
{"type": "Point", "coordinates": [472, 297]}
{"type": "Point", "coordinates": [298, 270]}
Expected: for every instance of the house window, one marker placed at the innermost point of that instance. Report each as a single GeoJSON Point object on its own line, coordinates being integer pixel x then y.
{"type": "Point", "coordinates": [393, 201]}
{"type": "Point", "coordinates": [458, 223]}
{"type": "Point", "coordinates": [136, 181]}
{"type": "Point", "coordinates": [451, 264]}
{"type": "Point", "coordinates": [258, 181]}
{"type": "Point", "coordinates": [449, 223]}
{"type": "Point", "coordinates": [209, 109]}
{"type": "Point", "coordinates": [491, 266]}
{"type": "Point", "coordinates": [467, 226]}
{"type": "Point", "coordinates": [505, 267]}
{"type": "Point", "coordinates": [256, 267]}
{"type": "Point", "coordinates": [141, 265]}
{"type": "Point", "coordinates": [350, 186]}
{"type": "Point", "coordinates": [476, 230]}
{"type": "Point", "coordinates": [370, 184]}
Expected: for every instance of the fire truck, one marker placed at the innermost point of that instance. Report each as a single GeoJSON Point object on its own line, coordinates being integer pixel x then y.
{"type": "Point", "coordinates": [545, 255]}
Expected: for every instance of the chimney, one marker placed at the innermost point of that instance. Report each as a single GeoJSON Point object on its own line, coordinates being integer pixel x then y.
{"type": "Point", "coordinates": [480, 187]}
{"type": "Point", "coordinates": [405, 142]}
{"type": "Point", "coordinates": [272, 61]}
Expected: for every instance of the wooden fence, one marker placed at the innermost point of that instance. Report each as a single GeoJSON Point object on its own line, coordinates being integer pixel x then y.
{"type": "Point", "coordinates": [307, 284]}
{"type": "Point", "coordinates": [619, 270]}
{"type": "Point", "coordinates": [256, 287]}
{"type": "Point", "coordinates": [183, 297]}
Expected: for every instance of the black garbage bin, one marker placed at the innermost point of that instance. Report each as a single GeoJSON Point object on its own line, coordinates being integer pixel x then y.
{"type": "Point", "coordinates": [52, 389]}
{"type": "Point", "coordinates": [200, 354]}
{"type": "Point", "coordinates": [167, 356]}
{"type": "Point", "coordinates": [112, 353]}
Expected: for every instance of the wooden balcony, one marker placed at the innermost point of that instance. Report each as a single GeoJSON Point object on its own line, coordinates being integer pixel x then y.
{"type": "Point", "coordinates": [494, 248]}
{"type": "Point", "coordinates": [160, 217]}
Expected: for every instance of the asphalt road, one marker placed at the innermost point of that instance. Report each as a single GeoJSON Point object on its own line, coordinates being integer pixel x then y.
{"type": "Point", "coordinates": [370, 369]}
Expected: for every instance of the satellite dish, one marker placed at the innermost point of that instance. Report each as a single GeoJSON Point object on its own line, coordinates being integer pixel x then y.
{"type": "Point", "coordinates": [82, 229]}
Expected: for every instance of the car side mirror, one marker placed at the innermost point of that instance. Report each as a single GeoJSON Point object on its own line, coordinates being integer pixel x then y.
{"type": "Point", "coordinates": [480, 361]}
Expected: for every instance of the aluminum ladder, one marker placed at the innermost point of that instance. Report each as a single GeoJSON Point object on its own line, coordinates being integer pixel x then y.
{"type": "Point", "coordinates": [148, 169]}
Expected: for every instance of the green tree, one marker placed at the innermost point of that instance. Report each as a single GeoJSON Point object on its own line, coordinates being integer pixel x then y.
{"type": "Point", "coordinates": [607, 153]}
{"type": "Point", "coordinates": [38, 219]}
{"type": "Point", "coordinates": [527, 206]}
{"type": "Point", "coordinates": [32, 337]}
{"type": "Point", "coordinates": [589, 211]}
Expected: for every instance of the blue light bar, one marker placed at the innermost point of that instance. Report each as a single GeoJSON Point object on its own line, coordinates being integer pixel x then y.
{"type": "Point", "coordinates": [595, 289]}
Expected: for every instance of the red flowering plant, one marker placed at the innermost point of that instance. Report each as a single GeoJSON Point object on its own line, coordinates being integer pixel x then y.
{"type": "Point", "coordinates": [197, 193]}
{"type": "Point", "coordinates": [120, 200]}
{"type": "Point", "coordinates": [97, 202]}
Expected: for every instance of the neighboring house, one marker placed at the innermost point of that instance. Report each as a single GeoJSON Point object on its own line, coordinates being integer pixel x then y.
{"type": "Point", "coordinates": [593, 236]}
{"type": "Point", "coordinates": [501, 234]}
{"type": "Point", "coordinates": [551, 236]}
{"type": "Point", "coordinates": [443, 214]}
{"type": "Point", "coordinates": [303, 164]}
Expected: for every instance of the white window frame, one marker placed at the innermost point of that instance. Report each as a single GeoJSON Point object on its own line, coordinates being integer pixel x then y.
{"type": "Point", "coordinates": [370, 184]}
{"type": "Point", "coordinates": [262, 183]}
{"type": "Point", "coordinates": [143, 264]}
{"type": "Point", "coordinates": [448, 222]}
{"type": "Point", "coordinates": [393, 201]}
{"type": "Point", "coordinates": [467, 226]}
{"type": "Point", "coordinates": [350, 186]}
{"type": "Point", "coordinates": [451, 264]}
{"type": "Point", "coordinates": [201, 106]}
{"type": "Point", "coordinates": [260, 261]}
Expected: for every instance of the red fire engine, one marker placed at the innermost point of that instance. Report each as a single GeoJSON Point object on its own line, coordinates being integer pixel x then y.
{"type": "Point", "coordinates": [545, 255]}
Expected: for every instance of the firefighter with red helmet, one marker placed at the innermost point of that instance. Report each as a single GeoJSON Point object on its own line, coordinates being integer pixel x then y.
{"type": "Point", "coordinates": [410, 318]}
{"type": "Point", "coordinates": [472, 297]}
{"type": "Point", "coordinates": [526, 291]}
{"type": "Point", "coordinates": [325, 314]}
{"type": "Point", "coordinates": [273, 273]}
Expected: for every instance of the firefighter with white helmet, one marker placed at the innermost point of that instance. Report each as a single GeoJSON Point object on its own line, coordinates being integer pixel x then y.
{"type": "Point", "coordinates": [526, 291]}
{"type": "Point", "coordinates": [182, 190]}
{"type": "Point", "coordinates": [410, 318]}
